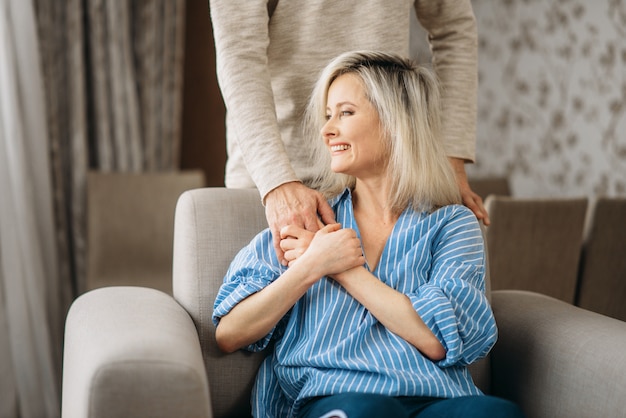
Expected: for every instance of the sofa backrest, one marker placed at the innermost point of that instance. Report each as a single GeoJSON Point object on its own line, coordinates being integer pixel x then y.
{"type": "Point", "coordinates": [534, 244]}
{"type": "Point", "coordinates": [211, 226]}
{"type": "Point", "coordinates": [117, 201]}
{"type": "Point", "coordinates": [602, 275]}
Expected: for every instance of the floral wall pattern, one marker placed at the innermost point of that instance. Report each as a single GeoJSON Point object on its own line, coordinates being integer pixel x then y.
{"type": "Point", "coordinates": [552, 96]}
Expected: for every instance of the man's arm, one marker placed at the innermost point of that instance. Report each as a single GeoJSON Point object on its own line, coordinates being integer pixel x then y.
{"type": "Point", "coordinates": [453, 38]}
{"type": "Point", "coordinates": [241, 41]}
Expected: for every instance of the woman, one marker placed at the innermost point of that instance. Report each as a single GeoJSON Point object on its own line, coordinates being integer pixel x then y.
{"type": "Point", "coordinates": [380, 313]}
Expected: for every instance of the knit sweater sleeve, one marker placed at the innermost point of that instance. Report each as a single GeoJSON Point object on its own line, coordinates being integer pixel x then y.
{"type": "Point", "coordinates": [241, 35]}
{"type": "Point", "coordinates": [452, 33]}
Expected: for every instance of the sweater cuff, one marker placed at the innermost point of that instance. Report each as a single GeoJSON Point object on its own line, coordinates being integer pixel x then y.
{"type": "Point", "coordinates": [264, 192]}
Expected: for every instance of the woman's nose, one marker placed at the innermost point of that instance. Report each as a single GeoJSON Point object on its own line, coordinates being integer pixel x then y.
{"type": "Point", "coordinates": [329, 128]}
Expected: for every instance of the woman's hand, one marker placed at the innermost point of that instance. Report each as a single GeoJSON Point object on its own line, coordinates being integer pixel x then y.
{"type": "Point", "coordinates": [331, 250]}
{"type": "Point", "coordinates": [294, 241]}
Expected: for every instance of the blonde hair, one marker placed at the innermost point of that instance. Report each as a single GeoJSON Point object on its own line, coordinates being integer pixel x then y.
{"type": "Point", "coordinates": [407, 99]}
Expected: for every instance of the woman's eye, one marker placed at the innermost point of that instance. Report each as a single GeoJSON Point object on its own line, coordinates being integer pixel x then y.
{"type": "Point", "coordinates": [340, 114]}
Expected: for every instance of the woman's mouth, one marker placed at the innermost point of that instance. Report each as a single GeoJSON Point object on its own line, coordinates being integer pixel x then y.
{"type": "Point", "coordinates": [341, 147]}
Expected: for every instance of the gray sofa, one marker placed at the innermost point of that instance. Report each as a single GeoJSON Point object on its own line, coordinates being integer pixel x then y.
{"type": "Point", "coordinates": [138, 352]}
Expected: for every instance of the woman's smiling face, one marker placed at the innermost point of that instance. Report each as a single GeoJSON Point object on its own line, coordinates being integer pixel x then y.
{"type": "Point", "coordinates": [353, 131]}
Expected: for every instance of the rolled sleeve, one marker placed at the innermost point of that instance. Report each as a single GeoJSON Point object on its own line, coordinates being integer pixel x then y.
{"type": "Point", "coordinates": [452, 303]}
{"type": "Point", "coordinates": [253, 269]}
{"type": "Point", "coordinates": [460, 317]}
{"type": "Point", "coordinates": [230, 294]}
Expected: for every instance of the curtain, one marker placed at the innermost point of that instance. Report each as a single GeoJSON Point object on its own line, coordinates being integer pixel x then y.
{"type": "Point", "coordinates": [113, 72]}
{"type": "Point", "coordinates": [84, 84]}
{"type": "Point", "coordinates": [28, 261]}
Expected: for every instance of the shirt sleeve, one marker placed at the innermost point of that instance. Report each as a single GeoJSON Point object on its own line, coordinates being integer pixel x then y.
{"type": "Point", "coordinates": [241, 33]}
{"type": "Point", "coordinates": [254, 267]}
{"type": "Point", "coordinates": [453, 37]}
{"type": "Point", "coordinates": [453, 304]}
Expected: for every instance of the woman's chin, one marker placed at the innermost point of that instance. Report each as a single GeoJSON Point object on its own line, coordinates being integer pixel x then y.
{"type": "Point", "coordinates": [339, 170]}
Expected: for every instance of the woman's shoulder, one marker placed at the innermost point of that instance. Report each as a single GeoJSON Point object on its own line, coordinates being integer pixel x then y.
{"type": "Point", "coordinates": [449, 212]}
{"type": "Point", "coordinates": [457, 210]}
{"type": "Point", "coordinates": [453, 217]}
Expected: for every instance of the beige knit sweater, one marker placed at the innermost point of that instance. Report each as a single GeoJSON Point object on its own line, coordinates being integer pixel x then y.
{"type": "Point", "coordinates": [267, 68]}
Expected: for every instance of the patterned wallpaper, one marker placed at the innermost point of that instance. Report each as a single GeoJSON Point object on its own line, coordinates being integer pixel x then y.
{"type": "Point", "coordinates": [552, 96]}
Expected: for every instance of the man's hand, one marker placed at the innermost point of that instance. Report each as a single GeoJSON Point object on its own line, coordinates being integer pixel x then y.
{"type": "Point", "coordinates": [470, 199]}
{"type": "Point", "coordinates": [295, 204]}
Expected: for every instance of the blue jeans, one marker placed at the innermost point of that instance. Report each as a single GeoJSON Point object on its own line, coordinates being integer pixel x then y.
{"type": "Point", "coordinates": [358, 405]}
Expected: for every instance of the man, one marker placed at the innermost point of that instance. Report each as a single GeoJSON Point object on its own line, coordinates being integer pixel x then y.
{"type": "Point", "coordinates": [270, 54]}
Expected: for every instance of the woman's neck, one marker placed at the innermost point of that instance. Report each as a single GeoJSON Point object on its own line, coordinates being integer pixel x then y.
{"type": "Point", "coordinates": [375, 218]}
{"type": "Point", "coordinates": [371, 198]}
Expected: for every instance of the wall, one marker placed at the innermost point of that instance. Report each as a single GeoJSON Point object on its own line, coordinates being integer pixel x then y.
{"type": "Point", "coordinates": [552, 96]}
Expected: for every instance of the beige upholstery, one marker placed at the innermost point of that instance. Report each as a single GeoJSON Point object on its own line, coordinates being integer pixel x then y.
{"type": "Point", "coordinates": [118, 332]}
{"type": "Point", "coordinates": [130, 227]}
{"type": "Point", "coordinates": [132, 352]}
{"type": "Point", "coordinates": [557, 360]}
{"type": "Point", "coordinates": [602, 280]}
{"type": "Point", "coordinates": [211, 227]}
{"type": "Point", "coordinates": [485, 186]}
{"type": "Point", "coordinates": [534, 244]}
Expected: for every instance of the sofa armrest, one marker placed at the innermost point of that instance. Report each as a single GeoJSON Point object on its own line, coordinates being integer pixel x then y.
{"type": "Point", "coordinates": [132, 351]}
{"type": "Point", "coordinates": [557, 360]}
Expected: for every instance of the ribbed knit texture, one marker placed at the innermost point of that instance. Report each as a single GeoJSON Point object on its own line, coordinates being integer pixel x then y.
{"type": "Point", "coordinates": [266, 72]}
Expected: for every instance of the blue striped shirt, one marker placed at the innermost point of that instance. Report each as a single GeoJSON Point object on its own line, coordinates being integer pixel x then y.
{"type": "Point", "coordinates": [329, 343]}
